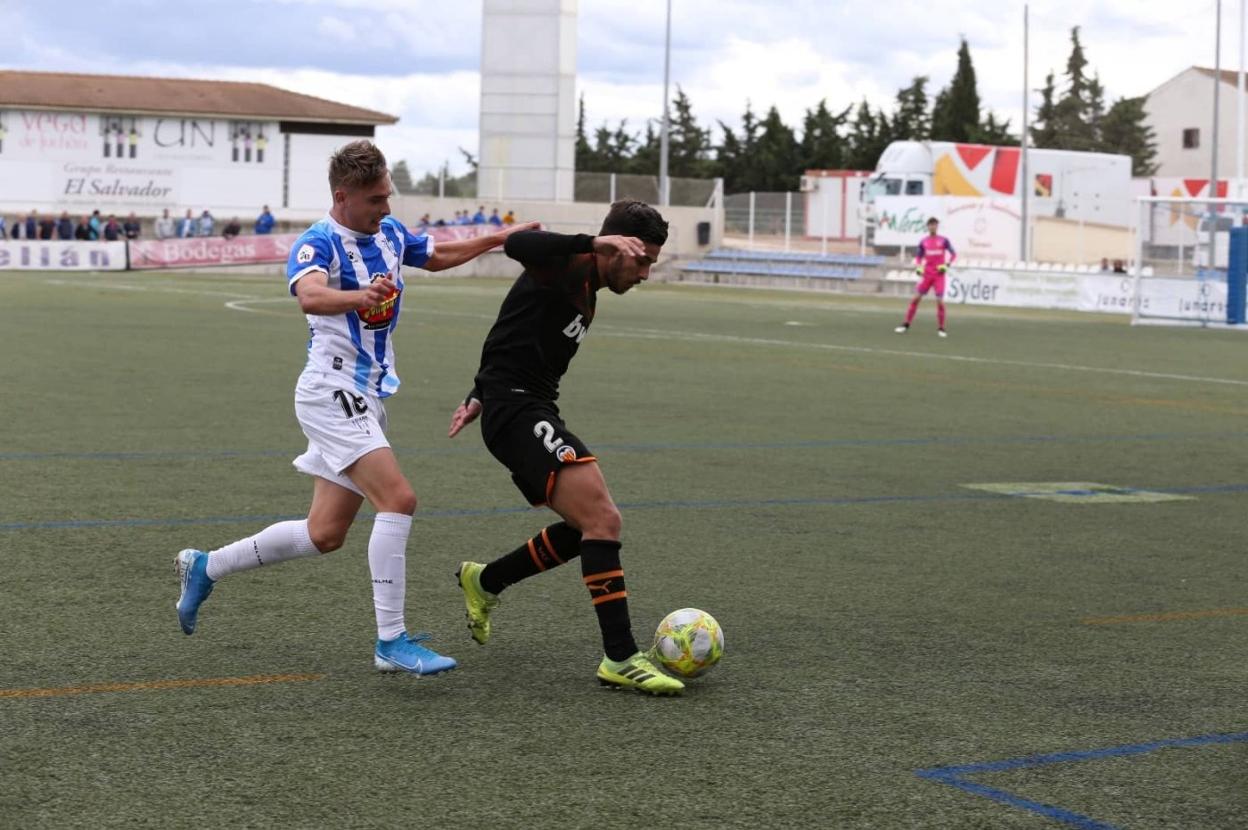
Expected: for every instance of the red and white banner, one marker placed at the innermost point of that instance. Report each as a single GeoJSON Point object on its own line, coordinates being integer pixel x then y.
{"type": "Point", "coordinates": [58, 255]}
{"type": "Point", "coordinates": [210, 250]}
{"type": "Point", "coordinates": [252, 250]}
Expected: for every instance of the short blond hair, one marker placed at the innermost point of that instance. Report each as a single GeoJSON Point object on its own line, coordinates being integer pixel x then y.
{"type": "Point", "coordinates": [357, 164]}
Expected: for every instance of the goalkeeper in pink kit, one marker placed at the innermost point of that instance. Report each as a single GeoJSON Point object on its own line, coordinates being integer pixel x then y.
{"type": "Point", "coordinates": [931, 263]}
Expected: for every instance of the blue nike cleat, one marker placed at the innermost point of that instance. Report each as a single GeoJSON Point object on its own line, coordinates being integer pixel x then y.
{"type": "Point", "coordinates": [192, 568]}
{"type": "Point", "coordinates": [405, 653]}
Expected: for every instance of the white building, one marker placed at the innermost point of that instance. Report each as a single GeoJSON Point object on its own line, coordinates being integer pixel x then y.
{"type": "Point", "coordinates": [1180, 111]}
{"type": "Point", "coordinates": [121, 144]}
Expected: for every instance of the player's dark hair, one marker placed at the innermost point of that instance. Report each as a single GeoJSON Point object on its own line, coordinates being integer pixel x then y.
{"type": "Point", "coordinates": [357, 164]}
{"type": "Point", "coordinates": [629, 217]}
{"type": "Point", "coordinates": [933, 219]}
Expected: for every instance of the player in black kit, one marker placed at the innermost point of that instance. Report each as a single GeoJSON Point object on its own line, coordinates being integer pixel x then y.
{"type": "Point", "coordinates": [541, 323]}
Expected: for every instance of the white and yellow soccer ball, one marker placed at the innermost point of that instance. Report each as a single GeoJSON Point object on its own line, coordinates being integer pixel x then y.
{"type": "Point", "coordinates": [688, 642]}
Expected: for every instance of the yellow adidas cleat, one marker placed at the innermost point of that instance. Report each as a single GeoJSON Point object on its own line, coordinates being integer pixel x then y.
{"type": "Point", "coordinates": [637, 672]}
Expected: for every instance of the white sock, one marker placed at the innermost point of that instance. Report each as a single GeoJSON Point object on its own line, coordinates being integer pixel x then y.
{"type": "Point", "coordinates": [387, 560]}
{"type": "Point", "coordinates": [276, 543]}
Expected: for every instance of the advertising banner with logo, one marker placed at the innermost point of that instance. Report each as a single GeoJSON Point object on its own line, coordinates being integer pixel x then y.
{"type": "Point", "coordinates": [977, 227]}
{"type": "Point", "coordinates": [210, 250]}
{"type": "Point", "coordinates": [67, 255]}
{"type": "Point", "coordinates": [116, 162]}
{"type": "Point", "coordinates": [1022, 289]}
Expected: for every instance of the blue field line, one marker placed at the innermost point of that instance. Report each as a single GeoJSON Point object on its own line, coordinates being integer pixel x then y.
{"type": "Point", "coordinates": [677, 504]}
{"type": "Point", "coordinates": [954, 776]}
{"type": "Point", "coordinates": [831, 443]}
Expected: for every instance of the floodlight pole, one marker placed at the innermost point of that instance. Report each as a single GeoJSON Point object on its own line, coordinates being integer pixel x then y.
{"type": "Point", "coordinates": [1217, 86]}
{"type": "Point", "coordinates": [664, 186]}
{"type": "Point", "coordinates": [1239, 109]}
{"type": "Point", "coordinates": [1025, 183]}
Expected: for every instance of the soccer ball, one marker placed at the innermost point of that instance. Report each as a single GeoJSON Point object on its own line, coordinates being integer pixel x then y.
{"type": "Point", "coordinates": [688, 642]}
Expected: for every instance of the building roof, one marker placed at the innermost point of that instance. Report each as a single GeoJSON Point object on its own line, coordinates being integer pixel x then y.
{"type": "Point", "coordinates": [1229, 76]}
{"type": "Point", "coordinates": [174, 96]}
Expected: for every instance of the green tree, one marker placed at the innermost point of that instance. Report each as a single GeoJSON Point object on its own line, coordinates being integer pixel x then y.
{"type": "Point", "coordinates": [1074, 118]}
{"type": "Point", "coordinates": [402, 177]}
{"type": "Point", "coordinates": [1044, 128]}
{"type": "Point", "coordinates": [734, 155]}
{"type": "Point", "coordinates": [689, 146]}
{"type": "Point", "coordinates": [823, 146]}
{"type": "Point", "coordinates": [996, 132]}
{"type": "Point", "coordinates": [912, 121]}
{"type": "Point", "coordinates": [869, 134]}
{"type": "Point", "coordinates": [775, 156]}
{"type": "Point", "coordinates": [1124, 130]}
{"type": "Point", "coordinates": [585, 160]}
{"type": "Point", "coordinates": [955, 114]}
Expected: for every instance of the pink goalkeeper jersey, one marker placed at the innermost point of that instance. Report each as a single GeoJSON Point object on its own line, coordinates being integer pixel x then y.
{"type": "Point", "coordinates": [932, 254]}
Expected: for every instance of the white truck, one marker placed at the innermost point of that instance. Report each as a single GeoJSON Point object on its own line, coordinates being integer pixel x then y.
{"type": "Point", "coordinates": [1088, 187]}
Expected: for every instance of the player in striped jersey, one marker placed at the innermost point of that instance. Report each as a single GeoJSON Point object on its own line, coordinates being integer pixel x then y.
{"type": "Point", "coordinates": [345, 273]}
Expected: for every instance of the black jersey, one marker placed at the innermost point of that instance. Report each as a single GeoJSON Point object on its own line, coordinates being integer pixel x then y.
{"type": "Point", "coordinates": [544, 317]}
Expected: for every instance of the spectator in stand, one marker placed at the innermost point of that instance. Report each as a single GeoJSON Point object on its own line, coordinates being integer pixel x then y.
{"type": "Point", "coordinates": [112, 229]}
{"type": "Point", "coordinates": [97, 224]}
{"type": "Point", "coordinates": [131, 226]}
{"type": "Point", "coordinates": [83, 231]}
{"type": "Point", "coordinates": [16, 231]}
{"type": "Point", "coordinates": [478, 218]}
{"type": "Point", "coordinates": [509, 218]}
{"type": "Point", "coordinates": [65, 226]}
{"type": "Point", "coordinates": [1120, 267]}
{"type": "Point", "coordinates": [424, 221]}
{"type": "Point", "coordinates": [32, 226]}
{"type": "Point", "coordinates": [2, 233]}
{"type": "Point", "coordinates": [1105, 264]}
{"type": "Point", "coordinates": [233, 229]}
{"type": "Point", "coordinates": [47, 227]}
{"type": "Point", "coordinates": [186, 226]}
{"type": "Point", "coordinates": [166, 228]}
{"type": "Point", "coordinates": [441, 223]}
{"type": "Point", "coordinates": [264, 222]}
{"type": "Point", "coordinates": [204, 226]}
{"type": "Point", "coordinates": [495, 219]}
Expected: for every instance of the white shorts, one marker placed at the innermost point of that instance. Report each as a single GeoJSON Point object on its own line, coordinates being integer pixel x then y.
{"type": "Point", "coordinates": [341, 423]}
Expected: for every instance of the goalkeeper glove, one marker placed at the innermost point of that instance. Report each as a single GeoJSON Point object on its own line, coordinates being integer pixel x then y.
{"type": "Point", "coordinates": [944, 269]}
{"type": "Point", "coordinates": [918, 269]}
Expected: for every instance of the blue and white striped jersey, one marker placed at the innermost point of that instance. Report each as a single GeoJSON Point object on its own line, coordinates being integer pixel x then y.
{"type": "Point", "coordinates": [358, 343]}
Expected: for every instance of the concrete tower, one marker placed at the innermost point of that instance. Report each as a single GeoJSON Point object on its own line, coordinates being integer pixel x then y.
{"type": "Point", "coordinates": [528, 107]}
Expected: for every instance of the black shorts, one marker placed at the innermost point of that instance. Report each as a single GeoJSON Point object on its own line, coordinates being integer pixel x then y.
{"type": "Point", "coordinates": [527, 435]}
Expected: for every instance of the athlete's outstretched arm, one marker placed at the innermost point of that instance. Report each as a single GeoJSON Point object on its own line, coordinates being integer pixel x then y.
{"type": "Point", "coordinates": [542, 246]}
{"type": "Point", "coordinates": [316, 297]}
{"type": "Point", "coordinates": [449, 254]}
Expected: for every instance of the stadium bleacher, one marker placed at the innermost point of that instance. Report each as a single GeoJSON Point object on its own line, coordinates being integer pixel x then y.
{"type": "Point", "coordinates": [784, 264]}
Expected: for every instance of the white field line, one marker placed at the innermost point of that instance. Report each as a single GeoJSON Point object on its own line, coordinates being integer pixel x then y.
{"type": "Point", "coordinates": [665, 334]}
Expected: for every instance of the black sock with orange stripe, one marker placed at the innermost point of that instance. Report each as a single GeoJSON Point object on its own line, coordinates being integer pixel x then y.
{"type": "Point", "coordinates": [551, 548]}
{"type": "Point", "coordinates": [600, 568]}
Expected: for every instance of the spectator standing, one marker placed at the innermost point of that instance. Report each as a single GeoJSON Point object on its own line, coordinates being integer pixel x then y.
{"type": "Point", "coordinates": [97, 224]}
{"type": "Point", "coordinates": [32, 226]}
{"type": "Point", "coordinates": [206, 222]}
{"type": "Point", "coordinates": [65, 226]}
{"type": "Point", "coordinates": [495, 219]}
{"type": "Point", "coordinates": [112, 229]}
{"type": "Point", "coordinates": [186, 227]}
{"type": "Point", "coordinates": [166, 228]}
{"type": "Point", "coordinates": [47, 227]}
{"type": "Point", "coordinates": [424, 221]}
{"type": "Point", "coordinates": [16, 232]}
{"type": "Point", "coordinates": [2, 232]}
{"type": "Point", "coordinates": [131, 226]}
{"type": "Point", "coordinates": [83, 231]}
{"type": "Point", "coordinates": [509, 218]}
{"type": "Point", "coordinates": [264, 222]}
{"type": "Point", "coordinates": [478, 218]}
{"type": "Point", "coordinates": [232, 229]}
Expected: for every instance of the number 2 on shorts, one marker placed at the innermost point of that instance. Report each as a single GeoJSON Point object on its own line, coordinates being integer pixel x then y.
{"type": "Point", "coordinates": [543, 430]}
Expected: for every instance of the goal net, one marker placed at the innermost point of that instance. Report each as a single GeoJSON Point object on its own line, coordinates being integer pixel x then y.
{"type": "Point", "coordinates": [1183, 257]}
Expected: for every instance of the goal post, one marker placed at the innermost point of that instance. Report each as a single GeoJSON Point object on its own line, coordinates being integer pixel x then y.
{"type": "Point", "coordinates": [1191, 255]}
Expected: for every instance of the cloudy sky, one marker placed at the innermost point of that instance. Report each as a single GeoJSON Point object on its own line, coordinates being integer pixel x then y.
{"type": "Point", "coordinates": [420, 60]}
